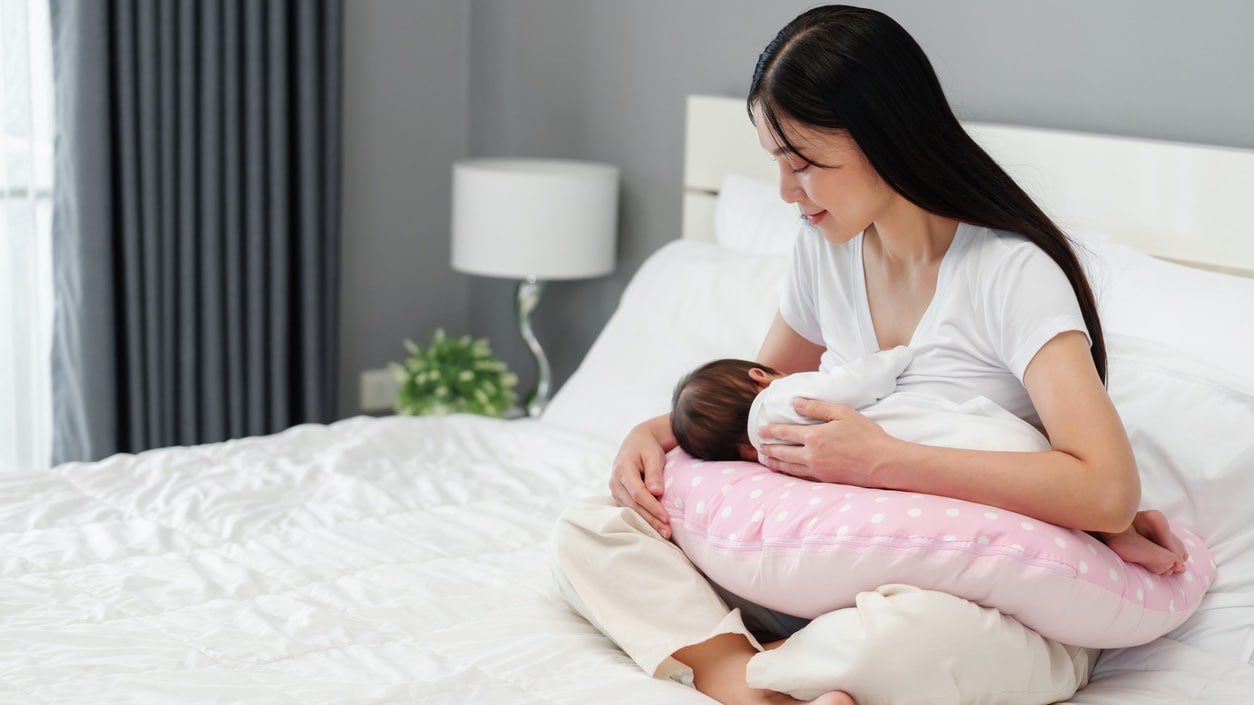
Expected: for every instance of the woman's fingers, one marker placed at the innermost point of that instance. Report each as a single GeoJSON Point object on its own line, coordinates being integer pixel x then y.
{"type": "Point", "coordinates": [821, 410]}
{"type": "Point", "coordinates": [629, 487]}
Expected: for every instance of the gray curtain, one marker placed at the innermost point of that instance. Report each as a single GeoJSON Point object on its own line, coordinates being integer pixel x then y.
{"type": "Point", "coordinates": [196, 220]}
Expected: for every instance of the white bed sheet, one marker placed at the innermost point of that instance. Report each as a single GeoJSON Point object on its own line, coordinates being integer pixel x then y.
{"type": "Point", "coordinates": [403, 560]}
{"type": "Point", "coordinates": [394, 560]}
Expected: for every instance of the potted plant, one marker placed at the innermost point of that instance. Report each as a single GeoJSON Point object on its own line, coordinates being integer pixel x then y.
{"type": "Point", "coordinates": [453, 375]}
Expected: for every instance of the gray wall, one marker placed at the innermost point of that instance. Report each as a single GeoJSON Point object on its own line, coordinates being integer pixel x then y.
{"type": "Point", "coordinates": [405, 121]}
{"type": "Point", "coordinates": [605, 80]}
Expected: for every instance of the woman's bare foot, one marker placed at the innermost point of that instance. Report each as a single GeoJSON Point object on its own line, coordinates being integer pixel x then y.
{"type": "Point", "coordinates": [718, 670]}
{"type": "Point", "coordinates": [1150, 543]}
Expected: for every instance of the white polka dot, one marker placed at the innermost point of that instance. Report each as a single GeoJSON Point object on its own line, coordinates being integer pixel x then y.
{"type": "Point", "coordinates": [727, 488]}
{"type": "Point", "coordinates": [1171, 606]}
{"type": "Point", "coordinates": [757, 478]}
{"type": "Point", "coordinates": [696, 480]}
{"type": "Point", "coordinates": [881, 500]}
{"type": "Point", "coordinates": [916, 512]}
{"type": "Point", "coordinates": [1027, 525]}
{"type": "Point", "coordinates": [983, 540]}
{"type": "Point", "coordinates": [679, 502]}
{"type": "Point", "coordinates": [669, 482]}
{"type": "Point", "coordinates": [815, 500]}
{"type": "Point", "coordinates": [818, 486]}
{"type": "Point", "coordinates": [728, 471]}
{"type": "Point", "coordinates": [877, 518]}
{"type": "Point", "coordinates": [1114, 575]}
{"type": "Point", "coordinates": [1149, 581]}
{"type": "Point", "coordinates": [1190, 542]}
{"type": "Point", "coordinates": [781, 516]}
{"type": "Point", "coordinates": [755, 494]}
{"type": "Point", "coordinates": [1093, 548]}
{"type": "Point", "coordinates": [1062, 543]}
{"type": "Point", "coordinates": [950, 537]}
{"type": "Point", "coordinates": [812, 522]}
{"type": "Point", "coordinates": [1140, 595]}
{"type": "Point", "coordinates": [701, 507]}
{"type": "Point", "coordinates": [951, 512]}
{"type": "Point", "coordinates": [842, 531]}
{"type": "Point", "coordinates": [789, 484]}
{"type": "Point", "coordinates": [725, 513]}
{"type": "Point", "coordinates": [732, 536]}
{"type": "Point", "coordinates": [1016, 548]}
{"type": "Point", "coordinates": [845, 507]}
{"type": "Point", "coordinates": [785, 495]}
{"type": "Point", "coordinates": [1188, 575]}
{"type": "Point", "coordinates": [757, 516]}
{"type": "Point", "coordinates": [990, 515]}
{"type": "Point", "coordinates": [1084, 567]}
{"type": "Point", "coordinates": [848, 495]}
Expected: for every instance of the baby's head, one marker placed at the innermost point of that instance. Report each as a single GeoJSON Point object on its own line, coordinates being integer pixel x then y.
{"type": "Point", "coordinates": [710, 409]}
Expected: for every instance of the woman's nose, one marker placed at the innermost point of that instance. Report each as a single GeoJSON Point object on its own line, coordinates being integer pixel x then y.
{"type": "Point", "coordinates": [789, 186]}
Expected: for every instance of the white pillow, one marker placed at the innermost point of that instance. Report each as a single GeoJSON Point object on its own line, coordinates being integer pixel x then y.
{"type": "Point", "coordinates": [689, 303]}
{"type": "Point", "coordinates": [1204, 314]}
{"type": "Point", "coordinates": [749, 216]}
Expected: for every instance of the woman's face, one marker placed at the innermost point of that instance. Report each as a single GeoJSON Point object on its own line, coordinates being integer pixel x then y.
{"type": "Point", "coordinates": [839, 199]}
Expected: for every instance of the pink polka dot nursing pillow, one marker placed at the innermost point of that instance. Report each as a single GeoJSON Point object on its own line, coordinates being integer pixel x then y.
{"type": "Point", "coordinates": [805, 548]}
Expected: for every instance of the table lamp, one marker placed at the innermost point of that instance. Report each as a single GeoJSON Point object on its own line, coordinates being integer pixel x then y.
{"type": "Point", "coordinates": [534, 220]}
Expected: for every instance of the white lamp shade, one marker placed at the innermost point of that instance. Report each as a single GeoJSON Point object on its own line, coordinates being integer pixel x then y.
{"type": "Point", "coordinates": [548, 219]}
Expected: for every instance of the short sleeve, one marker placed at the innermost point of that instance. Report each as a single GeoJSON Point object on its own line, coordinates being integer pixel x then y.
{"type": "Point", "coordinates": [797, 302]}
{"type": "Point", "coordinates": [1030, 302]}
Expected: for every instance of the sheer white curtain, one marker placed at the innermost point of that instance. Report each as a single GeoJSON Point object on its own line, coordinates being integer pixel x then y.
{"type": "Point", "coordinates": [26, 130]}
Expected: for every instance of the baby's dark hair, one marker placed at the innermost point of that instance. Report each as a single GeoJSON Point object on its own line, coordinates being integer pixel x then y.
{"type": "Point", "coordinates": [710, 409]}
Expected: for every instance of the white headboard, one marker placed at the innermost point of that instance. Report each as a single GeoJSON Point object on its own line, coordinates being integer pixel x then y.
{"type": "Point", "coordinates": [1189, 203]}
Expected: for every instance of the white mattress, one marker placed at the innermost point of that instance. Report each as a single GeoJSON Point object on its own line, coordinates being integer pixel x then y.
{"type": "Point", "coordinates": [403, 560]}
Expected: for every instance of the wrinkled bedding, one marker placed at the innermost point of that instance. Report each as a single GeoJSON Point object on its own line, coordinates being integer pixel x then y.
{"type": "Point", "coordinates": [392, 560]}
{"type": "Point", "coordinates": [403, 560]}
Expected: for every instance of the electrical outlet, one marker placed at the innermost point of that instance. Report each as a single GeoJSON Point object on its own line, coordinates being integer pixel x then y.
{"type": "Point", "coordinates": [378, 390]}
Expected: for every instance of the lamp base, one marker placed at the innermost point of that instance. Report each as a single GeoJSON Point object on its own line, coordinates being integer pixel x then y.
{"type": "Point", "coordinates": [529, 291]}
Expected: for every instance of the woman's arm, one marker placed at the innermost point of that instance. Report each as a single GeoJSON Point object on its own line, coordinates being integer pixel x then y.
{"type": "Point", "coordinates": [636, 477]}
{"type": "Point", "coordinates": [1089, 480]}
{"type": "Point", "coordinates": [785, 349]}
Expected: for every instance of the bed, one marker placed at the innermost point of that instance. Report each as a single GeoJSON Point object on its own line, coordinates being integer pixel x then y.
{"type": "Point", "coordinates": [406, 560]}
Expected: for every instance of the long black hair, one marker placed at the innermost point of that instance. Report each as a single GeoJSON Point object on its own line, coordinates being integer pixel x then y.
{"type": "Point", "coordinates": [857, 70]}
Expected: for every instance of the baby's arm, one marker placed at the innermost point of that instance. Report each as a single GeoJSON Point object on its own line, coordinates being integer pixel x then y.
{"type": "Point", "coordinates": [866, 380]}
{"type": "Point", "coordinates": [1149, 542]}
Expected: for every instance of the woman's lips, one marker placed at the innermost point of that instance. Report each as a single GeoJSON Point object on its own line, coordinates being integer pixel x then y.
{"type": "Point", "coordinates": [814, 218]}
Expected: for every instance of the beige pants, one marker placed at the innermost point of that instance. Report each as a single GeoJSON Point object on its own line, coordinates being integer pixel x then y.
{"type": "Point", "coordinates": [899, 645]}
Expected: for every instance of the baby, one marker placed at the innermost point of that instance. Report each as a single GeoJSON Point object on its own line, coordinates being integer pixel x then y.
{"type": "Point", "coordinates": [718, 408]}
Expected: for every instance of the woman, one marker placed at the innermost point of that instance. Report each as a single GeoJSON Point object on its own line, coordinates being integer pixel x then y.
{"type": "Point", "coordinates": [919, 239]}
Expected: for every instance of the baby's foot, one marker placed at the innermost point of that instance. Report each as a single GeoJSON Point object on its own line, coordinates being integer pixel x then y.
{"type": "Point", "coordinates": [1135, 548]}
{"type": "Point", "coordinates": [1149, 542]}
{"type": "Point", "coordinates": [1152, 524]}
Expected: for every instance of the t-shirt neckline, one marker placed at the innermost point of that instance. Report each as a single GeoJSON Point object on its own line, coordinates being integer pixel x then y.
{"type": "Point", "coordinates": [866, 325]}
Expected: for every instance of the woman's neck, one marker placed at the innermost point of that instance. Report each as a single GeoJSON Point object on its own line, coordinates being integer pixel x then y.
{"type": "Point", "coordinates": [908, 236]}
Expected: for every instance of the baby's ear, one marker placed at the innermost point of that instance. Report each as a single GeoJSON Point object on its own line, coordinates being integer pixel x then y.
{"type": "Point", "coordinates": [761, 377]}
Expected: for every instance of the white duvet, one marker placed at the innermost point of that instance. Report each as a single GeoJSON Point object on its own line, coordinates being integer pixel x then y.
{"type": "Point", "coordinates": [402, 560]}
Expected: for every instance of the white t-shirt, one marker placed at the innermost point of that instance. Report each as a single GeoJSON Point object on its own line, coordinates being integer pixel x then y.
{"type": "Point", "coordinates": [998, 299]}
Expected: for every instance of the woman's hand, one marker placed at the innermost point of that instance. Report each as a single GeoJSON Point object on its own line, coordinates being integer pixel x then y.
{"type": "Point", "coordinates": [844, 449]}
{"type": "Point", "coordinates": [636, 478]}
